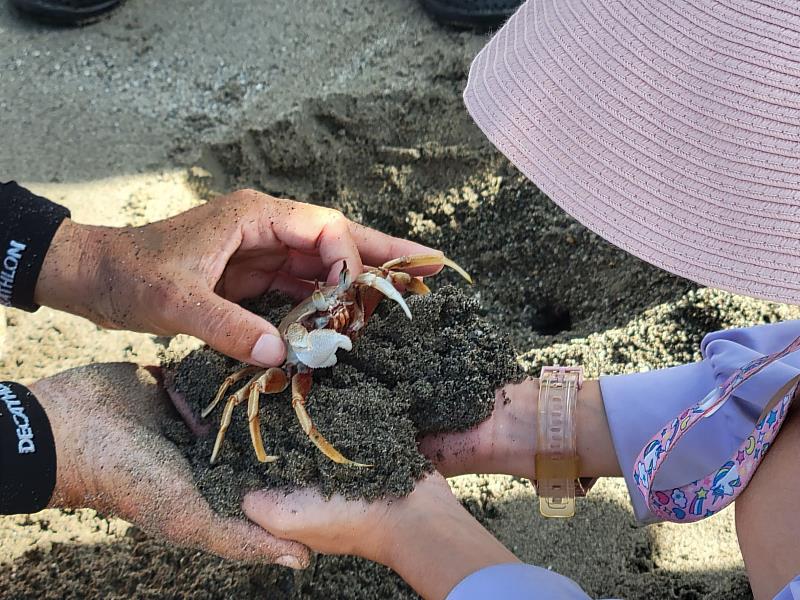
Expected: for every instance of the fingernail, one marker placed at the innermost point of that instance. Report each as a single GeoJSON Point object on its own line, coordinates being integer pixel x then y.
{"type": "Point", "coordinates": [269, 351]}
{"type": "Point", "coordinates": [289, 561]}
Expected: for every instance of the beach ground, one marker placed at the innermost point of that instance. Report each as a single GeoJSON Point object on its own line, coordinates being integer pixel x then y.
{"type": "Point", "coordinates": [353, 104]}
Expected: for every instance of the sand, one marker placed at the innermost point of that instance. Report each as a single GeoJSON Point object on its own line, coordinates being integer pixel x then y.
{"type": "Point", "coordinates": [403, 379]}
{"type": "Point", "coordinates": [356, 105]}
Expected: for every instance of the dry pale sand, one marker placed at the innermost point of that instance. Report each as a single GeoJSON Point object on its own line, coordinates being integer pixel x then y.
{"type": "Point", "coordinates": [354, 104]}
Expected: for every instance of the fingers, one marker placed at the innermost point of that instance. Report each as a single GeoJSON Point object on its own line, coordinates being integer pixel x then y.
{"type": "Point", "coordinates": [243, 281]}
{"type": "Point", "coordinates": [340, 526]}
{"type": "Point", "coordinates": [286, 515]}
{"type": "Point", "coordinates": [334, 526]}
{"type": "Point", "coordinates": [337, 249]}
{"type": "Point", "coordinates": [188, 520]}
{"type": "Point", "coordinates": [193, 422]}
{"type": "Point", "coordinates": [292, 262]}
{"type": "Point", "coordinates": [230, 329]}
{"type": "Point", "coordinates": [236, 539]}
{"type": "Point", "coordinates": [151, 484]}
{"type": "Point", "coordinates": [313, 230]}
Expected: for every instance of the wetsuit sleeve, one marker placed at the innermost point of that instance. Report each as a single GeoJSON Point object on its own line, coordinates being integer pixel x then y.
{"type": "Point", "coordinates": [640, 404]}
{"type": "Point", "coordinates": [27, 452]}
{"type": "Point", "coordinates": [27, 225]}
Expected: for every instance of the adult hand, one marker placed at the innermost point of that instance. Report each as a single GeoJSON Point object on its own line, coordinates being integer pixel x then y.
{"type": "Point", "coordinates": [185, 274]}
{"type": "Point", "coordinates": [107, 422]}
{"type": "Point", "coordinates": [428, 538]}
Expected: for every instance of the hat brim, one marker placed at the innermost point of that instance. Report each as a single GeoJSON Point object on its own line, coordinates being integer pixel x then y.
{"type": "Point", "coordinates": [671, 129]}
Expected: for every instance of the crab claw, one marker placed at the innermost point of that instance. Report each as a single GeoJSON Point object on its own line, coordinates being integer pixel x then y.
{"type": "Point", "coordinates": [424, 260]}
{"type": "Point", "coordinates": [385, 287]}
{"type": "Point", "coordinates": [316, 349]}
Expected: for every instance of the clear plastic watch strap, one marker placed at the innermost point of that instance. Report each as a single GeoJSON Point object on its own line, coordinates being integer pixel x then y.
{"type": "Point", "coordinates": [557, 462]}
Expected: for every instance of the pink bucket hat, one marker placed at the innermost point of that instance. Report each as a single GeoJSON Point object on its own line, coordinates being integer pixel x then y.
{"type": "Point", "coordinates": [669, 127]}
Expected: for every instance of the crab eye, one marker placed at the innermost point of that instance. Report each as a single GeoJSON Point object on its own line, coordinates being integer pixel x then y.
{"type": "Point", "coordinates": [321, 322]}
{"type": "Point", "coordinates": [345, 280]}
{"type": "Point", "coordinates": [318, 298]}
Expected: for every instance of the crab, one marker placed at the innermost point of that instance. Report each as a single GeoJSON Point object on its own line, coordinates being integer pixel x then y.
{"type": "Point", "coordinates": [332, 318]}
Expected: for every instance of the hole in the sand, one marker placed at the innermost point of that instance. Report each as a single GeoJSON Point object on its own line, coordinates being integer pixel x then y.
{"type": "Point", "coordinates": [551, 318]}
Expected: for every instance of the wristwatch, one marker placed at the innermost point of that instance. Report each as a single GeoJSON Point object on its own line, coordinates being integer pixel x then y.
{"type": "Point", "coordinates": [557, 480]}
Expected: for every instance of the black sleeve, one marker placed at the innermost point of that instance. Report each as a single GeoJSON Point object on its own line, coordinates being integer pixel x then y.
{"type": "Point", "coordinates": [27, 452]}
{"type": "Point", "coordinates": [27, 225]}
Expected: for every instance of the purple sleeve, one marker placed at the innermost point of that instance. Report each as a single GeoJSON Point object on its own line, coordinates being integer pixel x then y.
{"type": "Point", "coordinates": [516, 581]}
{"type": "Point", "coordinates": [791, 591]}
{"type": "Point", "coordinates": [640, 404]}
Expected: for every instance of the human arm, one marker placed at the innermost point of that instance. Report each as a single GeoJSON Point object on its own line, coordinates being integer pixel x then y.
{"type": "Point", "coordinates": [617, 416]}
{"type": "Point", "coordinates": [766, 519]}
{"type": "Point", "coordinates": [506, 442]}
{"type": "Point", "coordinates": [185, 274]}
{"type": "Point", "coordinates": [112, 455]}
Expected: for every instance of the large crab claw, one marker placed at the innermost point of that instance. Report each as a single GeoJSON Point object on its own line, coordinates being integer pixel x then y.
{"type": "Point", "coordinates": [385, 287]}
{"type": "Point", "coordinates": [316, 349]}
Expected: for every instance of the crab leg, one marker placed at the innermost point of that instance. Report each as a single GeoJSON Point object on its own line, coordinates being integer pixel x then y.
{"type": "Point", "coordinates": [229, 381]}
{"type": "Point", "coordinates": [233, 401]}
{"type": "Point", "coordinates": [271, 382]}
{"type": "Point", "coordinates": [425, 260]}
{"type": "Point", "coordinates": [301, 385]}
{"type": "Point", "coordinates": [223, 427]}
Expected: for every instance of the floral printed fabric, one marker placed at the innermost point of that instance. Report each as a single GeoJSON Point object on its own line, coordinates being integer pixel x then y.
{"type": "Point", "coordinates": [707, 496]}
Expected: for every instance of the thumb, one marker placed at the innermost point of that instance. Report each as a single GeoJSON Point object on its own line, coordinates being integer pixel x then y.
{"type": "Point", "coordinates": [232, 330]}
{"type": "Point", "coordinates": [236, 539]}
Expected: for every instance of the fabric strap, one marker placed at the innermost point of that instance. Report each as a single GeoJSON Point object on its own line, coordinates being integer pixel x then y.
{"type": "Point", "coordinates": [710, 494]}
{"type": "Point", "coordinates": [27, 452]}
{"type": "Point", "coordinates": [27, 225]}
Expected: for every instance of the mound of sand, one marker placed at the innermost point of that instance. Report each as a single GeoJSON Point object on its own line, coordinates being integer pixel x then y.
{"type": "Point", "coordinates": [404, 378]}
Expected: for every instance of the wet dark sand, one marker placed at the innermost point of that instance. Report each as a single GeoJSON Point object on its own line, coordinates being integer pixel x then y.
{"type": "Point", "coordinates": [404, 378]}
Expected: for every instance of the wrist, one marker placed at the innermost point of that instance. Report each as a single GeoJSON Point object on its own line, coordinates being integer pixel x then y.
{"type": "Point", "coordinates": [507, 441]}
{"type": "Point", "coordinates": [514, 432]}
{"type": "Point", "coordinates": [67, 278]}
{"type": "Point", "coordinates": [514, 440]}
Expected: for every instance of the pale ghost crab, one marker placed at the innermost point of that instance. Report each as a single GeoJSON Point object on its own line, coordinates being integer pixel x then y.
{"type": "Point", "coordinates": [330, 319]}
